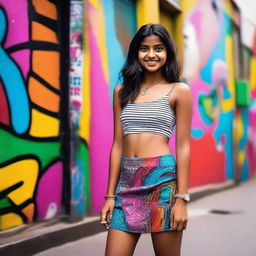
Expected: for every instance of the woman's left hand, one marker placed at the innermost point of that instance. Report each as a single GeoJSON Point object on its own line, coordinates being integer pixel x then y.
{"type": "Point", "coordinates": [179, 215]}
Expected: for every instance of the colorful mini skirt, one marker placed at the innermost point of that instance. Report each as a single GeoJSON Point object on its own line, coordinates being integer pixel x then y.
{"type": "Point", "coordinates": [145, 194]}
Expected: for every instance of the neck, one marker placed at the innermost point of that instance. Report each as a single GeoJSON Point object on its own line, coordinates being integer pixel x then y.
{"type": "Point", "coordinates": [152, 77]}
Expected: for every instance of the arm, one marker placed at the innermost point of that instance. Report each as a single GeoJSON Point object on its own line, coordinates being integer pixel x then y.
{"type": "Point", "coordinates": [117, 146]}
{"type": "Point", "coordinates": [114, 161]}
{"type": "Point", "coordinates": [179, 213]}
{"type": "Point", "coordinates": [183, 129]}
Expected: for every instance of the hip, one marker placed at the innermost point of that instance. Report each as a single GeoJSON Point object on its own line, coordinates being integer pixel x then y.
{"type": "Point", "coordinates": [145, 173]}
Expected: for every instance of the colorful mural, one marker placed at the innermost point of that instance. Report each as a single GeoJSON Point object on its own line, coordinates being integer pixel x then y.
{"type": "Point", "coordinates": [30, 162]}
{"type": "Point", "coordinates": [109, 35]}
{"type": "Point", "coordinates": [209, 70]}
{"type": "Point", "coordinates": [31, 165]}
{"type": "Point", "coordinates": [206, 70]}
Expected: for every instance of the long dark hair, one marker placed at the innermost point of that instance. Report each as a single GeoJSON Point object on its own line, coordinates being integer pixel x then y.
{"type": "Point", "coordinates": [133, 74]}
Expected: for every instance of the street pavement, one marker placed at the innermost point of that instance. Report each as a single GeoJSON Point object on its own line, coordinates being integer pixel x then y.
{"type": "Point", "coordinates": [221, 224]}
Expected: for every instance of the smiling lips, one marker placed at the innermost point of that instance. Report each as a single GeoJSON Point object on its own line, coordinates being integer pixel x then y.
{"type": "Point", "coordinates": [151, 62]}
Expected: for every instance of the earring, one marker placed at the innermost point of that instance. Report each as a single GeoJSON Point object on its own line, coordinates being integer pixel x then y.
{"type": "Point", "coordinates": [166, 69]}
{"type": "Point", "coordinates": [140, 69]}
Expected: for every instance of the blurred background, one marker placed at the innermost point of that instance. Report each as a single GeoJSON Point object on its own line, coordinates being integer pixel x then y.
{"type": "Point", "coordinates": [59, 64]}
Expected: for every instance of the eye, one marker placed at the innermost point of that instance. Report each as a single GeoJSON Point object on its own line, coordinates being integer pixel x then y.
{"type": "Point", "coordinates": [159, 48]}
{"type": "Point", "coordinates": [143, 48]}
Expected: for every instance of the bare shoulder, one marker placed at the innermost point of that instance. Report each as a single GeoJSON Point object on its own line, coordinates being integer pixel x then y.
{"type": "Point", "coordinates": [117, 101]}
{"type": "Point", "coordinates": [117, 88]}
{"type": "Point", "coordinates": [182, 87]}
{"type": "Point", "coordinates": [182, 90]}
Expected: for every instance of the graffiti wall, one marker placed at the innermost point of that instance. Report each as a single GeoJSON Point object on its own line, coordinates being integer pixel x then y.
{"type": "Point", "coordinates": [219, 124]}
{"type": "Point", "coordinates": [223, 135]}
{"type": "Point", "coordinates": [110, 26]}
{"type": "Point", "coordinates": [30, 163]}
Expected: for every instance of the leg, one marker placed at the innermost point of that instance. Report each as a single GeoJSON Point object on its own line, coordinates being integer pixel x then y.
{"type": "Point", "coordinates": [167, 243]}
{"type": "Point", "coordinates": [121, 243]}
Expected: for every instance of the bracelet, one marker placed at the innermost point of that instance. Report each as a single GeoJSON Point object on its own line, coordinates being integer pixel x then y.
{"type": "Point", "coordinates": [110, 197]}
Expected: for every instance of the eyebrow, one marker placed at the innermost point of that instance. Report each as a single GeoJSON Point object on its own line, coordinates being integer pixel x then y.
{"type": "Point", "coordinates": [154, 45]}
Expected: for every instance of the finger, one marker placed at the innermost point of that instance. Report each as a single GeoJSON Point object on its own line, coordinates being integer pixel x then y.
{"type": "Point", "coordinates": [105, 223]}
{"type": "Point", "coordinates": [180, 226]}
{"type": "Point", "coordinates": [110, 215]}
{"type": "Point", "coordinates": [172, 219]}
{"type": "Point", "coordinates": [103, 219]}
{"type": "Point", "coordinates": [103, 213]}
{"type": "Point", "coordinates": [175, 225]}
{"type": "Point", "coordinates": [103, 216]}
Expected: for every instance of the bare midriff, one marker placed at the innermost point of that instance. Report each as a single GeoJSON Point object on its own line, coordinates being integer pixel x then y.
{"type": "Point", "coordinates": [145, 145]}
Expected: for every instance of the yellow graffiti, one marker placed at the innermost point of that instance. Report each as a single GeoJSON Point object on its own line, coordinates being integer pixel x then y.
{"type": "Point", "coordinates": [43, 125]}
{"type": "Point", "coordinates": [253, 73]}
{"type": "Point", "coordinates": [95, 3]}
{"type": "Point", "coordinates": [229, 104]}
{"type": "Point", "coordinates": [228, 8]}
{"type": "Point", "coordinates": [84, 128]}
{"type": "Point", "coordinates": [238, 134]}
{"type": "Point", "coordinates": [167, 22]}
{"type": "Point", "coordinates": [10, 220]}
{"type": "Point", "coordinates": [98, 30]}
{"type": "Point", "coordinates": [147, 12]}
{"type": "Point", "coordinates": [241, 158]}
{"type": "Point", "coordinates": [186, 6]}
{"type": "Point", "coordinates": [25, 171]}
{"type": "Point", "coordinates": [239, 128]}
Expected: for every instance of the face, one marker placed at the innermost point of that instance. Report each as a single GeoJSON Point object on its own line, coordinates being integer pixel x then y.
{"type": "Point", "coordinates": [152, 53]}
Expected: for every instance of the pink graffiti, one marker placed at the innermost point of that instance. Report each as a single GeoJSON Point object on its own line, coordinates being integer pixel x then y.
{"type": "Point", "coordinates": [49, 191]}
{"type": "Point", "coordinates": [18, 31]}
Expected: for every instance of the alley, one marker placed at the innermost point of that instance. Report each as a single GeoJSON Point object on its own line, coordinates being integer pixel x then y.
{"type": "Point", "coordinates": [221, 224]}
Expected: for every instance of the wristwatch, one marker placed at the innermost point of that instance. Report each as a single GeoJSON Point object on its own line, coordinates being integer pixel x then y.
{"type": "Point", "coordinates": [185, 197]}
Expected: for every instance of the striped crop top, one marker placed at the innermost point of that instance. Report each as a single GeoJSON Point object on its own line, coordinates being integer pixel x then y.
{"type": "Point", "coordinates": [154, 117]}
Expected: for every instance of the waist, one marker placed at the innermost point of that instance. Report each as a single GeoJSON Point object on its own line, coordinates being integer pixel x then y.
{"type": "Point", "coordinates": [153, 161]}
{"type": "Point", "coordinates": [146, 144]}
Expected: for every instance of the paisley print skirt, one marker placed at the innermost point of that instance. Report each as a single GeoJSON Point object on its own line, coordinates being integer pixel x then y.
{"type": "Point", "coordinates": [145, 194]}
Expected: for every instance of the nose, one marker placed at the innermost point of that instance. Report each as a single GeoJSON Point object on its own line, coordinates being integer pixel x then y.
{"type": "Point", "coordinates": [151, 53]}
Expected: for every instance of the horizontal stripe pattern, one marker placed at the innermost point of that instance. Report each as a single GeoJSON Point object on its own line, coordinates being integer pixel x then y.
{"type": "Point", "coordinates": [153, 117]}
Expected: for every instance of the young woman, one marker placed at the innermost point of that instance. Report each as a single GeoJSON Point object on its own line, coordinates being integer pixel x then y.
{"type": "Point", "coordinates": [147, 188]}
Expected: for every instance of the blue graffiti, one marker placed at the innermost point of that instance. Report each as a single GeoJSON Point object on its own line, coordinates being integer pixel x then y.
{"type": "Point", "coordinates": [116, 53]}
{"type": "Point", "coordinates": [14, 84]}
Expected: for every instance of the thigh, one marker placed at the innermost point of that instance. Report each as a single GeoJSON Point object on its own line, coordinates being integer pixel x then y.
{"type": "Point", "coordinates": [167, 243]}
{"type": "Point", "coordinates": [121, 243]}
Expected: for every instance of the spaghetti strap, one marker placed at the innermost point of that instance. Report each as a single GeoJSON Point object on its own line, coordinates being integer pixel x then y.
{"type": "Point", "coordinates": [170, 90]}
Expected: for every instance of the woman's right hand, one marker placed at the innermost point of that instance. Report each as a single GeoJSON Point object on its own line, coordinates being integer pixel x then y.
{"type": "Point", "coordinates": [106, 212]}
